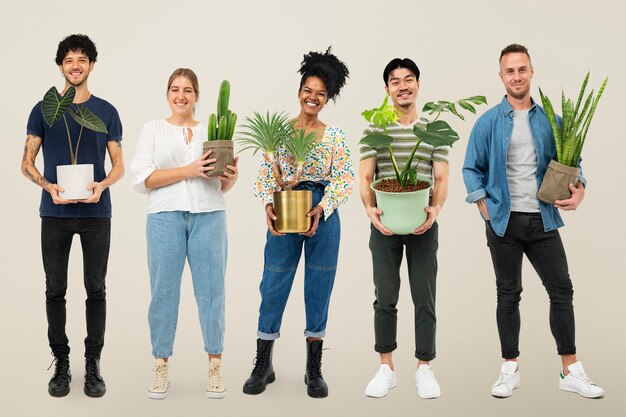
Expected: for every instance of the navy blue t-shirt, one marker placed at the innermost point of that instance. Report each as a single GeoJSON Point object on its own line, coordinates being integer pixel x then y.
{"type": "Point", "coordinates": [92, 150]}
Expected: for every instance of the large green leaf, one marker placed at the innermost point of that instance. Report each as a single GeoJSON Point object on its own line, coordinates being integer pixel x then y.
{"type": "Point", "coordinates": [376, 140]}
{"type": "Point", "coordinates": [85, 117]}
{"type": "Point", "coordinates": [437, 133]}
{"type": "Point", "coordinates": [54, 105]}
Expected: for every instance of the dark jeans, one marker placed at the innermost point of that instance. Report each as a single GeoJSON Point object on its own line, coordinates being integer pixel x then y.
{"type": "Point", "coordinates": [421, 255]}
{"type": "Point", "coordinates": [56, 241]}
{"type": "Point", "coordinates": [525, 235]}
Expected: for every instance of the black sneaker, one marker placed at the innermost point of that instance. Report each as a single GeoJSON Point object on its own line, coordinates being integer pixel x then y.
{"type": "Point", "coordinates": [59, 385]}
{"type": "Point", "coordinates": [94, 384]}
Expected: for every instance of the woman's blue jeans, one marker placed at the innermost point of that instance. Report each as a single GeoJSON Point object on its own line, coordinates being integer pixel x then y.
{"type": "Point", "coordinates": [201, 239]}
{"type": "Point", "coordinates": [282, 255]}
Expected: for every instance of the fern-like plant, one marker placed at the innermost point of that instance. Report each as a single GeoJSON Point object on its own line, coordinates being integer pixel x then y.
{"type": "Point", "coordinates": [570, 137]}
{"type": "Point", "coordinates": [55, 107]}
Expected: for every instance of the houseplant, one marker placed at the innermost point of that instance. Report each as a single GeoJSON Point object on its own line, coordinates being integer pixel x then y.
{"type": "Point", "coordinates": [569, 139]}
{"type": "Point", "coordinates": [403, 198]}
{"type": "Point", "coordinates": [267, 133]}
{"type": "Point", "coordinates": [73, 178]}
{"type": "Point", "coordinates": [220, 133]}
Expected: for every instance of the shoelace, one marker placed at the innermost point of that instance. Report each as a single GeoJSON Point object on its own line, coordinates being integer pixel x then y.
{"type": "Point", "coordinates": [61, 368]}
{"type": "Point", "coordinates": [583, 378]}
{"type": "Point", "coordinates": [315, 365]}
{"type": "Point", "coordinates": [215, 376]}
{"type": "Point", "coordinates": [160, 376]}
{"type": "Point", "coordinates": [91, 369]}
{"type": "Point", "coordinates": [259, 364]}
{"type": "Point", "coordinates": [504, 379]}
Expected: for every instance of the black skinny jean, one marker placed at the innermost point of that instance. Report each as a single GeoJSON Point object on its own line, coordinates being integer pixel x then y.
{"type": "Point", "coordinates": [525, 235]}
{"type": "Point", "coordinates": [56, 241]}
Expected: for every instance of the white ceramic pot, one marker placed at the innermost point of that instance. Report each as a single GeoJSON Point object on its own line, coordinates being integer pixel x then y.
{"type": "Point", "coordinates": [74, 179]}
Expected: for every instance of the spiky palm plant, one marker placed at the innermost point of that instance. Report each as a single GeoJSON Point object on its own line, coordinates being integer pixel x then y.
{"type": "Point", "coordinates": [570, 137]}
{"type": "Point", "coordinates": [299, 144]}
{"type": "Point", "coordinates": [266, 133]}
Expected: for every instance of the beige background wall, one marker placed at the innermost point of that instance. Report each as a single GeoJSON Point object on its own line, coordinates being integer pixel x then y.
{"type": "Point", "coordinates": [258, 47]}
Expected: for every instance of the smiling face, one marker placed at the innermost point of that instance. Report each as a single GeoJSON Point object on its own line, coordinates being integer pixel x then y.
{"type": "Point", "coordinates": [76, 67]}
{"type": "Point", "coordinates": [181, 96]}
{"type": "Point", "coordinates": [313, 96]}
{"type": "Point", "coordinates": [516, 71]}
{"type": "Point", "coordinates": [402, 87]}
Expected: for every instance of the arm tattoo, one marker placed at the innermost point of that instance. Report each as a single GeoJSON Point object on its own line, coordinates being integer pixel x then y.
{"type": "Point", "coordinates": [119, 143]}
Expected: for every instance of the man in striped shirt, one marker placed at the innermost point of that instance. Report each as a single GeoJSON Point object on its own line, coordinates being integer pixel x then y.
{"type": "Point", "coordinates": [401, 78]}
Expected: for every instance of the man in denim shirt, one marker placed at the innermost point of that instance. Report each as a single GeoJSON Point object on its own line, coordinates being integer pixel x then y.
{"type": "Point", "coordinates": [507, 155]}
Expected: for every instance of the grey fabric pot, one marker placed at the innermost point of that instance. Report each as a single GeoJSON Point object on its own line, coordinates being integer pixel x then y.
{"type": "Point", "coordinates": [222, 152]}
{"type": "Point", "coordinates": [556, 181]}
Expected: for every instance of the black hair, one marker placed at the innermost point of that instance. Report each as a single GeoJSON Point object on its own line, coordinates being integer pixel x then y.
{"type": "Point", "coordinates": [514, 48]}
{"type": "Point", "coordinates": [76, 43]}
{"type": "Point", "coordinates": [328, 68]}
{"type": "Point", "coordinates": [400, 63]}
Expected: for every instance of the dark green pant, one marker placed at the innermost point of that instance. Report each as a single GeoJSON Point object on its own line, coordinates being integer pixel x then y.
{"type": "Point", "coordinates": [421, 254]}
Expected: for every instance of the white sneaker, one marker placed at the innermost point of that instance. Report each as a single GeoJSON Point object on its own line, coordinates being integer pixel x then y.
{"type": "Point", "coordinates": [383, 381]}
{"type": "Point", "coordinates": [427, 386]}
{"type": "Point", "coordinates": [507, 381]}
{"type": "Point", "coordinates": [160, 386]}
{"type": "Point", "coordinates": [578, 381]}
{"type": "Point", "coordinates": [215, 386]}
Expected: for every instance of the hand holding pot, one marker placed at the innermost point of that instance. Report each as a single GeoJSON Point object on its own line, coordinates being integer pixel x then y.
{"type": "Point", "coordinates": [578, 194]}
{"type": "Point", "coordinates": [97, 188]}
{"type": "Point", "coordinates": [198, 167]}
{"type": "Point", "coordinates": [431, 215]}
{"type": "Point", "coordinates": [316, 212]}
{"type": "Point", "coordinates": [270, 216]}
{"type": "Point", "coordinates": [54, 190]}
{"type": "Point", "coordinates": [374, 215]}
{"type": "Point", "coordinates": [228, 179]}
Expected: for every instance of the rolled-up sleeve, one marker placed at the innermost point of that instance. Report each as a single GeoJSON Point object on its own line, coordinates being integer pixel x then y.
{"type": "Point", "coordinates": [143, 164]}
{"type": "Point", "coordinates": [476, 163]}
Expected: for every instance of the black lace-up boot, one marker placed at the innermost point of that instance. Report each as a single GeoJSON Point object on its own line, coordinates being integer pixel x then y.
{"type": "Point", "coordinates": [59, 385]}
{"type": "Point", "coordinates": [263, 372]}
{"type": "Point", "coordinates": [94, 384]}
{"type": "Point", "coordinates": [315, 385]}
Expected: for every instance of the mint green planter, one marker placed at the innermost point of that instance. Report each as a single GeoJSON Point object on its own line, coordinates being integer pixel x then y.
{"type": "Point", "coordinates": [403, 212]}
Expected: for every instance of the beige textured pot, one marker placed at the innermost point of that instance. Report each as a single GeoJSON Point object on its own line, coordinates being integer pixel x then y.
{"type": "Point", "coordinates": [222, 152]}
{"type": "Point", "coordinates": [291, 208]}
{"type": "Point", "coordinates": [556, 181]}
{"type": "Point", "coordinates": [74, 180]}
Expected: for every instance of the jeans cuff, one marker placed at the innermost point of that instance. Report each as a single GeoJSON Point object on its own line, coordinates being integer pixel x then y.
{"type": "Point", "coordinates": [507, 355]}
{"type": "Point", "coordinates": [164, 355]}
{"type": "Point", "coordinates": [385, 349]}
{"type": "Point", "coordinates": [567, 351]}
{"type": "Point", "coordinates": [321, 333]}
{"type": "Point", "coordinates": [267, 336]}
{"type": "Point", "coordinates": [423, 357]}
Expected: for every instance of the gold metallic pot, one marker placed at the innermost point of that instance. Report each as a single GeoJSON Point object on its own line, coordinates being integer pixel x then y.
{"type": "Point", "coordinates": [291, 208]}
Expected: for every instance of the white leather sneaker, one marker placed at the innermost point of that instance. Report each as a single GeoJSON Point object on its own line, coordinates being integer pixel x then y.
{"type": "Point", "coordinates": [577, 381]}
{"type": "Point", "coordinates": [427, 386]}
{"type": "Point", "coordinates": [383, 381]}
{"type": "Point", "coordinates": [507, 381]}
{"type": "Point", "coordinates": [161, 384]}
{"type": "Point", "coordinates": [215, 386]}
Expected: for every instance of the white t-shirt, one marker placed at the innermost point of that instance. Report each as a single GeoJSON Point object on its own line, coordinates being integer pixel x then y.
{"type": "Point", "coordinates": [162, 145]}
{"type": "Point", "coordinates": [521, 165]}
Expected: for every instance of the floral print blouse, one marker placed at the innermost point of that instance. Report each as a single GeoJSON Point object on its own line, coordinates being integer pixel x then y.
{"type": "Point", "coordinates": [329, 161]}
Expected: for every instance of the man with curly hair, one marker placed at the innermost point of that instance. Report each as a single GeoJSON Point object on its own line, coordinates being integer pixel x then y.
{"type": "Point", "coordinates": [62, 218]}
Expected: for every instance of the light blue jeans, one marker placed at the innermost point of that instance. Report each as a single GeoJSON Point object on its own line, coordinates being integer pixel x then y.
{"type": "Point", "coordinates": [201, 239]}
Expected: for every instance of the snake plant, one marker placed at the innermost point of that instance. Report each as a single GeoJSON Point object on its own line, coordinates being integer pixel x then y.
{"type": "Point", "coordinates": [569, 138]}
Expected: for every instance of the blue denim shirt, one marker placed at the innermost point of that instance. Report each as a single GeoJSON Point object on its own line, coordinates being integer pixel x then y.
{"type": "Point", "coordinates": [484, 169]}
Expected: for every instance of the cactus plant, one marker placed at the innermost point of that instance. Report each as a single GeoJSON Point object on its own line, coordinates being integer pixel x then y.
{"type": "Point", "coordinates": [222, 125]}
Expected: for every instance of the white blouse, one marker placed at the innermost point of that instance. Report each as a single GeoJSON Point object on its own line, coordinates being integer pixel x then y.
{"type": "Point", "coordinates": [162, 145]}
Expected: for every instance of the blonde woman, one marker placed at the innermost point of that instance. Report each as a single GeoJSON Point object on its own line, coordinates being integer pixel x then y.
{"type": "Point", "coordinates": [186, 217]}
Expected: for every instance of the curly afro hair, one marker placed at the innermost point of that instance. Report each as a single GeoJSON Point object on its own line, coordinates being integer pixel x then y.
{"type": "Point", "coordinates": [77, 42]}
{"type": "Point", "coordinates": [328, 68]}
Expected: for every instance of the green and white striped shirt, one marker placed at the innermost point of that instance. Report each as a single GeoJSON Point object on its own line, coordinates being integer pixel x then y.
{"type": "Point", "coordinates": [402, 147]}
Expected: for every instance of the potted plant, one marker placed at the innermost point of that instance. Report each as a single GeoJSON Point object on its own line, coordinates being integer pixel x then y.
{"type": "Point", "coordinates": [267, 133]}
{"type": "Point", "coordinates": [73, 178]}
{"type": "Point", "coordinates": [569, 139]}
{"type": "Point", "coordinates": [220, 134]}
{"type": "Point", "coordinates": [404, 198]}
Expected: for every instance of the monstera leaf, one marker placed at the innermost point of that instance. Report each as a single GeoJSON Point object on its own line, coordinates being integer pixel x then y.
{"type": "Point", "coordinates": [54, 105]}
{"type": "Point", "coordinates": [437, 133]}
{"type": "Point", "coordinates": [375, 140]}
{"type": "Point", "coordinates": [85, 117]}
